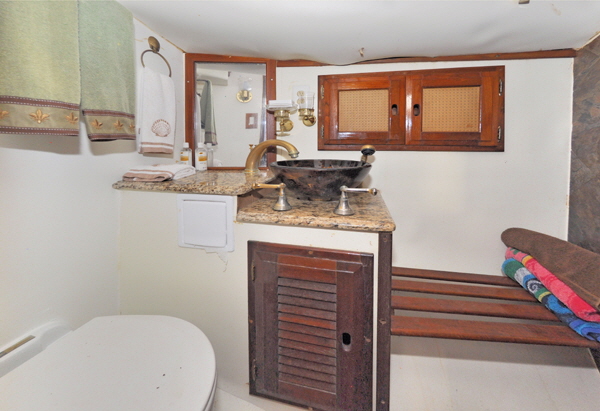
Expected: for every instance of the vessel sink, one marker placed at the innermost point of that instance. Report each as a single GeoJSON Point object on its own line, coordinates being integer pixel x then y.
{"type": "Point", "coordinates": [319, 179]}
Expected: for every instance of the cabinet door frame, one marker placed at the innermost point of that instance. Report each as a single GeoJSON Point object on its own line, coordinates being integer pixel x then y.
{"type": "Point", "coordinates": [347, 339]}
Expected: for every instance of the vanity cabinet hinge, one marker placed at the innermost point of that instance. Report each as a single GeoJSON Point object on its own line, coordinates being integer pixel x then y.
{"type": "Point", "coordinates": [253, 271]}
{"type": "Point", "coordinates": [322, 131]}
{"type": "Point", "coordinates": [499, 133]}
{"type": "Point", "coordinates": [254, 370]}
{"type": "Point", "coordinates": [501, 87]}
{"type": "Point", "coordinates": [322, 91]}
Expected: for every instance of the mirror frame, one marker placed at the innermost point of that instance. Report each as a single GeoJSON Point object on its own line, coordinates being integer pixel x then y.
{"type": "Point", "coordinates": [190, 60]}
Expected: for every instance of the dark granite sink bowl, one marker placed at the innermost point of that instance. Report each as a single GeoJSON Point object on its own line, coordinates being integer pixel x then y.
{"type": "Point", "coordinates": [319, 179]}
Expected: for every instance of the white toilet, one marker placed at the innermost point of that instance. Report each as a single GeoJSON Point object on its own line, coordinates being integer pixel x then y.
{"type": "Point", "coordinates": [118, 363]}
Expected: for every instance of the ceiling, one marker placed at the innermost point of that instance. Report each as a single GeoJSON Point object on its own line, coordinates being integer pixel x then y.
{"type": "Point", "coordinates": [348, 31]}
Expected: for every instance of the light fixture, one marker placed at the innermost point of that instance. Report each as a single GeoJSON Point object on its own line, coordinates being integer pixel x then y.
{"type": "Point", "coordinates": [306, 108]}
{"type": "Point", "coordinates": [245, 86]}
{"type": "Point", "coordinates": [282, 110]}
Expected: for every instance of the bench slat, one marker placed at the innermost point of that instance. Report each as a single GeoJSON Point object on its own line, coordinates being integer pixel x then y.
{"type": "Point", "coordinates": [489, 331]}
{"type": "Point", "coordinates": [436, 305]}
{"type": "Point", "coordinates": [454, 276]}
{"type": "Point", "coordinates": [513, 294]}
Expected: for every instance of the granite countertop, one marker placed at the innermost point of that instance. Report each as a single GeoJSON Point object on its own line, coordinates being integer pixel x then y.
{"type": "Point", "coordinates": [222, 182]}
{"type": "Point", "coordinates": [371, 214]}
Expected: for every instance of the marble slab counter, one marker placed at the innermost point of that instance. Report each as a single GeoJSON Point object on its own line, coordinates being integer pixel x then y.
{"type": "Point", "coordinates": [371, 214]}
{"type": "Point", "coordinates": [222, 182]}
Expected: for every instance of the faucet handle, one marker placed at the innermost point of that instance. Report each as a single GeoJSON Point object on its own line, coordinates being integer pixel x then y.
{"type": "Point", "coordinates": [372, 191]}
{"type": "Point", "coordinates": [343, 207]}
{"type": "Point", "coordinates": [282, 203]}
{"type": "Point", "coordinates": [366, 151]}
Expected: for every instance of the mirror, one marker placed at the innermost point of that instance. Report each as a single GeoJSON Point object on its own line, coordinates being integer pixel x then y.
{"type": "Point", "coordinates": [225, 103]}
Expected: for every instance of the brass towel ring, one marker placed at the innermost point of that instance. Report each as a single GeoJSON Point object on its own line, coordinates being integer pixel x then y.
{"type": "Point", "coordinates": [154, 47]}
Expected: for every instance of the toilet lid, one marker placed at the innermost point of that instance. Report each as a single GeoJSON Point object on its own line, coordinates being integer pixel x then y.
{"type": "Point", "coordinates": [117, 363]}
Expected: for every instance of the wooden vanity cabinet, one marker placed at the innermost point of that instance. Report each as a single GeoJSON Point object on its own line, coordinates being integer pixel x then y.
{"type": "Point", "coordinates": [311, 326]}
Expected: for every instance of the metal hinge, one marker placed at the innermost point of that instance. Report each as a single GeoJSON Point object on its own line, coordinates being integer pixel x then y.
{"type": "Point", "coordinates": [499, 133]}
{"type": "Point", "coordinates": [322, 91]}
{"type": "Point", "coordinates": [322, 131]}
{"type": "Point", "coordinates": [501, 87]}
{"type": "Point", "coordinates": [253, 271]}
{"type": "Point", "coordinates": [254, 370]}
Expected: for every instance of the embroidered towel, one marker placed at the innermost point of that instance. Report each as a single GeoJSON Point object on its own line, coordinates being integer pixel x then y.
{"type": "Point", "coordinates": [107, 58]}
{"type": "Point", "coordinates": [156, 116]}
{"type": "Point", "coordinates": [39, 60]}
{"type": "Point", "coordinates": [72, 55]}
{"type": "Point", "coordinates": [159, 172]}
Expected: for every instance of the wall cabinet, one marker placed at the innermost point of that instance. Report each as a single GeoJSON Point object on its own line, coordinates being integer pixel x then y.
{"type": "Point", "coordinates": [458, 109]}
{"type": "Point", "coordinates": [311, 326]}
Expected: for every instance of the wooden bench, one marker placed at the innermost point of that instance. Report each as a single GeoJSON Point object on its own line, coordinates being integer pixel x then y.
{"type": "Point", "coordinates": [443, 304]}
{"type": "Point", "coordinates": [524, 319]}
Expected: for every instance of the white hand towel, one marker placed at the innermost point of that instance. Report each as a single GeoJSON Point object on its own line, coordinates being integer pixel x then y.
{"type": "Point", "coordinates": [159, 172]}
{"type": "Point", "coordinates": [156, 116]}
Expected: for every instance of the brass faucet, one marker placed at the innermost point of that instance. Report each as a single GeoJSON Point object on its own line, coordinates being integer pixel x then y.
{"type": "Point", "coordinates": [258, 151]}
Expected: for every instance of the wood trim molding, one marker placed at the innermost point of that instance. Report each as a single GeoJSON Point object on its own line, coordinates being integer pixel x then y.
{"type": "Point", "coordinates": [383, 322]}
{"type": "Point", "coordinates": [544, 54]}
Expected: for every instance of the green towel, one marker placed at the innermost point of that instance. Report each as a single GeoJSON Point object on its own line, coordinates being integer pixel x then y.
{"type": "Point", "coordinates": [39, 56]}
{"type": "Point", "coordinates": [107, 58]}
{"type": "Point", "coordinates": [58, 57]}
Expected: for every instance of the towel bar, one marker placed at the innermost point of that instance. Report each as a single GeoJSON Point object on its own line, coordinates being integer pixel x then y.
{"type": "Point", "coordinates": [155, 48]}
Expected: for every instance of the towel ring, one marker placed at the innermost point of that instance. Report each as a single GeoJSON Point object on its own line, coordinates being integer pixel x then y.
{"type": "Point", "coordinates": [154, 47]}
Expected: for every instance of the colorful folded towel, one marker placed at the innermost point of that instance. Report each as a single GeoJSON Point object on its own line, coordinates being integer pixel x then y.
{"type": "Point", "coordinates": [562, 291]}
{"type": "Point", "coordinates": [575, 266]}
{"type": "Point", "coordinates": [518, 272]}
{"type": "Point", "coordinates": [159, 172]}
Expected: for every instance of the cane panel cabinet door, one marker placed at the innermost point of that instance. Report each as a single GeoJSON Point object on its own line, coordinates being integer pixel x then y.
{"type": "Point", "coordinates": [458, 109]}
{"type": "Point", "coordinates": [311, 326]}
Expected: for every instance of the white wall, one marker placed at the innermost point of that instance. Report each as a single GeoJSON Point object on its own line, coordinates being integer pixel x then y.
{"type": "Point", "coordinates": [59, 221]}
{"type": "Point", "coordinates": [451, 207]}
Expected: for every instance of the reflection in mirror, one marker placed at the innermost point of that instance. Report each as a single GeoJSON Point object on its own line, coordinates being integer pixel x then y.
{"type": "Point", "coordinates": [226, 101]}
{"type": "Point", "coordinates": [230, 104]}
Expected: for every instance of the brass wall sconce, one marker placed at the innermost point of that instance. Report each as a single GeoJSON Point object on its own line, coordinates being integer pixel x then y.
{"type": "Point", "coordinates": [282, 110]}
{"type": "Point", "coordinates": [245, 93]}
{"type": "Point", "coordinates": [306, 108]}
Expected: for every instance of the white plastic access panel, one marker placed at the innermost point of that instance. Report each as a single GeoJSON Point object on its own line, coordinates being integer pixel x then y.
{"type": "Point", "coordinates": [206, 221]}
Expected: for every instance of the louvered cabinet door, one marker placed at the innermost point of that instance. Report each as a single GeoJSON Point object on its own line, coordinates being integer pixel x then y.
{"type": "Point", "coordinates": [311, 331]}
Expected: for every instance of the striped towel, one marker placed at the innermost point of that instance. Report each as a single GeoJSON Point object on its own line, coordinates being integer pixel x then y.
{"type": "Point", "coordinates": [159, 172]}
{"type": "Point", "coordinates": [562, 291]}
{"type": "Point", "coordinates": [517, 271]}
